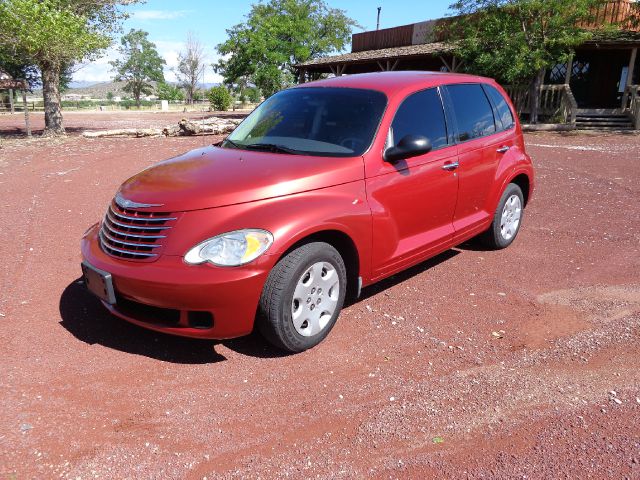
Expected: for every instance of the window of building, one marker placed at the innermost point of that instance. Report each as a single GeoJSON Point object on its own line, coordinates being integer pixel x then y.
{"type": "Point", "coordinates": [421, 114]}
{"type": "Point", "coordinates": [474, 115]}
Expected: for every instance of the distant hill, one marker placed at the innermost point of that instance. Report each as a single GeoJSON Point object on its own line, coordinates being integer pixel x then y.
{"type": "Point", "coordinates": [81, 84]}
{"type": "Point", "coordinates": [100, 90]}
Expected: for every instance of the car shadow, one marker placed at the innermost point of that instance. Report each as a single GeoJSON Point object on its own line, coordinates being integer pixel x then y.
{"type": "Point", "coordinates": [404, 275]}
{"type": "Point", "coordinates": [87, 320]}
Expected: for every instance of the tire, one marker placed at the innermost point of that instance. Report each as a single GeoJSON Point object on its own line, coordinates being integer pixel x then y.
{"type": "Point", "coordinates": [302, 297]}
{"type": "Point", "coordinates": [507, 219]}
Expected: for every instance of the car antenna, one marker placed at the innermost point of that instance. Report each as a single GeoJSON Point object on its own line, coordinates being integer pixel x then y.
{"type": "Point", "coordinates": [203, 97]}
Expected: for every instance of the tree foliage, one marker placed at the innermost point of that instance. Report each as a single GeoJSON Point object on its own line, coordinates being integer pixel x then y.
{"type": "Point", "coordinates": [166, 91]}
{"type": "Point", "coordinates": [512, 40]}
{"type": "Point", "coordinates": [278, 34]}
{"type": "Point", "coordinates": [220, 98]}
{"type": "Point", "coordinates": [140, 64]}
{"type": "Point", "coordinates": [53, 35]}
{"type": "Point", "coordinates": [190, 65]}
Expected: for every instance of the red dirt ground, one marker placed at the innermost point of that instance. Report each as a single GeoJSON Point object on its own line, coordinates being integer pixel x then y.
{"type": "Point", "coordinates": [412, 382]}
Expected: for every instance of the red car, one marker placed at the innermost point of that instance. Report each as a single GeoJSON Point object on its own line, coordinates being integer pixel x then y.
{"type": "Point", "coordinates": [325, 188]}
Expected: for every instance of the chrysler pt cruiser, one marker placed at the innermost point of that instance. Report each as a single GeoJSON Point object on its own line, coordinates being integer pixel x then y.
{"type": "Point", "coordinates": [325, 188]}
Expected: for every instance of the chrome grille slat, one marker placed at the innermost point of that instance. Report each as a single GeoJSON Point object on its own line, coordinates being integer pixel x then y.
{"type": "Point", "coordinates": [139, 227]}
{"type": "Point", "coordinates": [134, 235]}
{"type": "Point", "coordinates": [128, 252]}
{"type": "Point", "coordinates": [142, 219]}
{"type": "Point", "coordinates": [150, 245]}
{"type": "Point", "coordinates": [129, 234]}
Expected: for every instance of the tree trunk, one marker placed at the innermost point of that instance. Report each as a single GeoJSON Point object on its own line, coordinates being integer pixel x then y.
{"type": "Point", "coordinates": [51, 92]}
{"type": "Point", "coordinates": [534, 96]}
{"type": "Point", "coordinates": [27, 123]}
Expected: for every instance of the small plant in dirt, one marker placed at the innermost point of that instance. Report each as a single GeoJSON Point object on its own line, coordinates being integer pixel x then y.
{"type": "Point", "coordinates": [220, 98]}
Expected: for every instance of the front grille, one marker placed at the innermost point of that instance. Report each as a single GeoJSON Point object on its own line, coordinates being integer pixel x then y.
{"type": "Point", "coordinates": [135, 234]}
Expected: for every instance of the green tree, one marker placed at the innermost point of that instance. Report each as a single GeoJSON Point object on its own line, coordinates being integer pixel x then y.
{"type": "Point", "coordinates": [253, 94]}
{"type": "Point", "coordinates": [514, 41]}
{"type": "Point", "coordinates": [140, 64]}
{"type": "Point", "coordinates": [278, 34]}
{"type": "Point", "coordinates": [109, 95]}
{"type": "Point", "coordinates": [166, 91]}
{"type": "Point", "coordinates": [53, 35]}
{"type": "Point", "coordinates": [220, 98]}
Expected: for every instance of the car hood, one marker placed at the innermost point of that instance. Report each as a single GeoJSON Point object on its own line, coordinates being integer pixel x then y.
{"type": "Point", "coordinates": [215, 177]}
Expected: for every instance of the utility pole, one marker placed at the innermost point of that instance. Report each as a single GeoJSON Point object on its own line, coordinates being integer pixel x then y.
{"type": "Point", "coordinates": [378, 22]}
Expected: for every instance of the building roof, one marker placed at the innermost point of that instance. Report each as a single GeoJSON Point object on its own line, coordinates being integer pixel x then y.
{"type": "Point", "coordinates": [8, 82]}
{"type": "Point", "coordinates": [382, 54]}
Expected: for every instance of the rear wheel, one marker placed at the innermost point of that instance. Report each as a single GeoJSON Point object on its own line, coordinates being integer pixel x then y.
{"type": "Point", "coordinates": [506, 219]}
{"type": "Point", "coordinates": [303, 297]}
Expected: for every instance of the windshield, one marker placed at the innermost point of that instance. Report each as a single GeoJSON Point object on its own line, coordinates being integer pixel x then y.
{"type": "Point", "coordinates": [337, 122]}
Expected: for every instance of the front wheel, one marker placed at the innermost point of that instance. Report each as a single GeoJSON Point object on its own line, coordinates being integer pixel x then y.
{"type": "Point", "coordinates": [506, 219]}
{"type": "Point", "coordinates": [302, 297]}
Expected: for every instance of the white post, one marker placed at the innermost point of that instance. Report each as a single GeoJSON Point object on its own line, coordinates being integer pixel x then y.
{"type": "Point", "coordinates": [567, 76]}
{"type": "Point", "coordinates": [632, 64]}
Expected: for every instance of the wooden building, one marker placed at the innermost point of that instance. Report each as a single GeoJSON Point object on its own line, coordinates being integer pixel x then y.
{"type": "Point", "coordinates": [597, 88]}
{"type": "Point", "coordinates": [9, 84]}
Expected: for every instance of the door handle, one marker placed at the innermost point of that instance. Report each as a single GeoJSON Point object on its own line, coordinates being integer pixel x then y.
{"type": "Point", "coordinates": [450, 166]}
{"type": "Point", "coordinates": [503, 149]}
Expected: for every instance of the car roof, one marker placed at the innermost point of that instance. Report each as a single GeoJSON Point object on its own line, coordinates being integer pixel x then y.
{"type": "Point", "coordinates": [395, 82]}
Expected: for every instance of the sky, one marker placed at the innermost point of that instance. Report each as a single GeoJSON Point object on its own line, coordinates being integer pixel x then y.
{"type": "Point", "coordinates": [168, 23]}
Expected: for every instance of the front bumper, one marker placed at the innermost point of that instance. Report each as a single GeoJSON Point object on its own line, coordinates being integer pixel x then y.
{"type": "Point", "coordinates": [171, 297]}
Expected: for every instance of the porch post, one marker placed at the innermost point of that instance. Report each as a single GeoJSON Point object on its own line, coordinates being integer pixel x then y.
{"type": "Point", "coordinates": [302, 74]}
{"type": "Point", "coordinates": [632, 63]}
{"type": "Point", "coordinates": [11, 100]}
{"type": "Point", "coordinates": [567, 76]}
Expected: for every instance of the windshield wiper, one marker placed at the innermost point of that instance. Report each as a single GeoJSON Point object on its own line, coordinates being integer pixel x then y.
{"type": "Point", "coordinates": [272, 147]}
{"type": "Point", "coordinates": [235, 145]}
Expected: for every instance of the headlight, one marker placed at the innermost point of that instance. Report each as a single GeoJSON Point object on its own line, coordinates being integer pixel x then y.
{"type": "Point", "coordinates": [231, 249]}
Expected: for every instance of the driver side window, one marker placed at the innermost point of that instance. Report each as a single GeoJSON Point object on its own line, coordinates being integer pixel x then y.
{"type": "Point", "coordinates": [421, 113]}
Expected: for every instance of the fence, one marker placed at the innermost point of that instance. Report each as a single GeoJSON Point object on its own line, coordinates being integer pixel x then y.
{"type": "Point", "coordinates": [632, 103]}
{"type": "Point", "coordinates": [556, 103]}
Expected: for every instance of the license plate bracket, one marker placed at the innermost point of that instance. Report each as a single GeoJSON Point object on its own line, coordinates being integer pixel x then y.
{"type": "Point", "coordinates": [99, 282]}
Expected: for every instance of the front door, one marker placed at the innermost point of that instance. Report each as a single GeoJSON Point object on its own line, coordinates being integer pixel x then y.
{"type": "Point", "coordinates": [596, 77]}
{"type": "Point", "coordinates": [413, 200]}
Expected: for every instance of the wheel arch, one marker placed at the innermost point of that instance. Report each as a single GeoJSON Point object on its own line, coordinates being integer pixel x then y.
{"type": "Point", "coordinates": [522, 180]}
{"type": "Point", "coordinates": [345, 246]}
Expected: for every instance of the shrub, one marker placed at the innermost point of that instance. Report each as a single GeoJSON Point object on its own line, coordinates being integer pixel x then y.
{"type": "Point", "coordinates": [220, 98]}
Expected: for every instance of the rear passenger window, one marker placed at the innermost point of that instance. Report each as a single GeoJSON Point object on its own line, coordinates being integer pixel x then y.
{"type": "Point", "coordinates": [474, 115]}
{"type": "Point", "coordinates": [421, 114]}
{"type": "Point", "coordinates": [504, 121]}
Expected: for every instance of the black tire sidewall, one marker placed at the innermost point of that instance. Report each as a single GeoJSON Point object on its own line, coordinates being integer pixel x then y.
{"type": "Point", "coordinates": [499, 240]}
{"type": "Point", "coordinates": [279, 320]}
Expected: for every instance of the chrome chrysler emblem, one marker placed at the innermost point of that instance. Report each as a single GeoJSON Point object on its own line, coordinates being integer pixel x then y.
{"type": "Point", "coordinates": [125, 203]}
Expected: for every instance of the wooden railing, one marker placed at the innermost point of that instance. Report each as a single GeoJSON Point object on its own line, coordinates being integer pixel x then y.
{"type": "Point", "coordinates": [632, 104]}
{"type": "Point", "coordinates": [556, 103]}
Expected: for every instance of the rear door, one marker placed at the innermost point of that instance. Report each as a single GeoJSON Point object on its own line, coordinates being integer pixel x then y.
{"type": "Point", "coordinates": [413, 200]}
{"type": "Point", "coordinates": [481, 143]}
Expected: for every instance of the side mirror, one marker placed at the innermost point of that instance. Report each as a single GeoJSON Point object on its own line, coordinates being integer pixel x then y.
{"type": "Point", "coordinates": [408, 146]}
